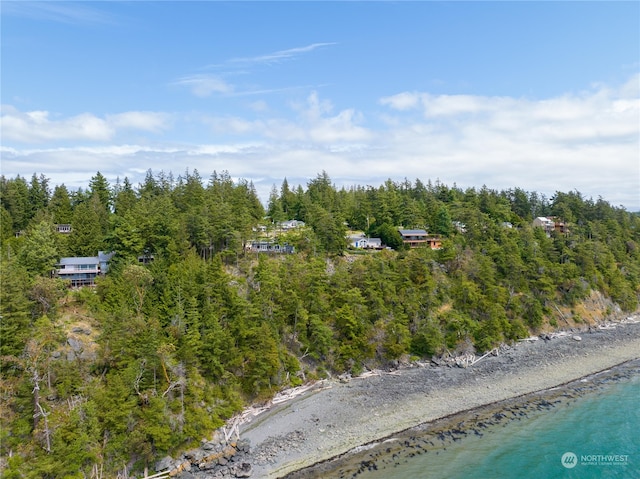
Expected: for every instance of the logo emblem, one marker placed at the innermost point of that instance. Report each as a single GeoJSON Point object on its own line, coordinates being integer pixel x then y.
{"type": "Point", "coordinates": [569, 460]}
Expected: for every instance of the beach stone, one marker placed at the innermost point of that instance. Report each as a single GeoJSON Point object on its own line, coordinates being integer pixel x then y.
{"type": "Point", "coordinates": [229, 451]}
{"type": "Point", "coordinates": [242, 470]}
{"type": "Point", "coordinates": [217, 437]}
{"type": "Point", "coordinates": [195, 455]}
{"type": "Point", "coordinates": [244, 445]}
{"type": "Point", "coordinates": [206, 466]}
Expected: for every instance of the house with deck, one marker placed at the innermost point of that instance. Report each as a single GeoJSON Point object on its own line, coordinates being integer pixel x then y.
{"type": "Point", "coordinates": [419, 237]}
{"type": "Point", "coordinates": [83, 270]}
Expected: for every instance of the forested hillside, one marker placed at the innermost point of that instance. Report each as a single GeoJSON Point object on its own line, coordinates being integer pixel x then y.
{"type": "Point", "coordinates": [187, 327]}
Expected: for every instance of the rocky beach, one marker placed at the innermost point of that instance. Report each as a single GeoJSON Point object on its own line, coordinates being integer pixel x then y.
{"type": "Point", "coordinates": [338, 417]}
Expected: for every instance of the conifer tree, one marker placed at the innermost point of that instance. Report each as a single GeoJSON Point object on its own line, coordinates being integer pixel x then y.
{"type": "Point", "coordinates": [39, 254]}
{"type": "Point", "coordinates": [60, 205]}
{"type": "Point", "coordinates": [99, 186]}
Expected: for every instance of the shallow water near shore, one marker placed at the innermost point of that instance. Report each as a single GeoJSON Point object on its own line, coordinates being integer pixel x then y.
{"type": "Point", "coordinates": [585, 429]}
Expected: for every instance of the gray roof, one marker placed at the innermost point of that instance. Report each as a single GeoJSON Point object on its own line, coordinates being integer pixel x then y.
{"type": "Point", "coordinates": [80, 260]}
{"type": "Point", "coordinates": [101, 258]}
{"type": "Point", "coordinates": [413, 232]}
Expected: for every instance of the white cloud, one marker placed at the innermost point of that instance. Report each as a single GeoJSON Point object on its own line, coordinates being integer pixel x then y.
{"type": "Point", "coordinates": [587, 141]}
{"type": "Point", "coordinates": [402, 101]}
{"type": "Point", "coordinates": [36, 126]}
{"type": "Point", "coordinates": [631, 89]}
{"type": "Point", "coordinates": [140, 120]}
{"type": "Point", "coordinates": [315, 124]}
{"type": "Point", "coordinates": [339, 128]}
{"type": "Point", "coordinates": [40, 126]}
{"type": "Point", "coordinates": [314, 108]}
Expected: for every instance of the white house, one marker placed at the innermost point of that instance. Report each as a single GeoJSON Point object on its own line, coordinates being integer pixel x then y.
{"type": "Point", "coordinates": [362, 242]}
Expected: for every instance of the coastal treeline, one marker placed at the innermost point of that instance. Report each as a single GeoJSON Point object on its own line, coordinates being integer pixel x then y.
{"type": "Point", "coordinates": [188, 325]}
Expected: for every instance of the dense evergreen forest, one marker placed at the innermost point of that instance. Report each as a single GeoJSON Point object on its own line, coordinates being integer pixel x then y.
{"type": "Point", "coordinates": [102, 380]}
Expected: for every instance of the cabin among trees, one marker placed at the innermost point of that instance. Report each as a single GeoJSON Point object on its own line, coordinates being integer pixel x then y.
{"type": "Point", "coordinates": [550, 224]}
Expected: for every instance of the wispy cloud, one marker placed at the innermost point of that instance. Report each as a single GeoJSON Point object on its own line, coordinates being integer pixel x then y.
{"type": "Point", "coordinates": [278, 56]}
{"type": "Point", "coordinates": [206, 84]}
{"type": "Point", "coordinates": [71, 13]}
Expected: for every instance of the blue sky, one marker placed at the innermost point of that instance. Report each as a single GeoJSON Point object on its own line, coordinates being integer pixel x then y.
{"type": "Point", "coordinates": [539, 95]}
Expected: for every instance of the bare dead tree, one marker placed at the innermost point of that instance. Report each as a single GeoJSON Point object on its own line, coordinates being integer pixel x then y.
{"type": "Point", "coordinates": [39, 411]}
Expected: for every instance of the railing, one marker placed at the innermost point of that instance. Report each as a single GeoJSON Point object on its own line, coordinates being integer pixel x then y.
{"type": "Point", "coordinates": [78, 270]}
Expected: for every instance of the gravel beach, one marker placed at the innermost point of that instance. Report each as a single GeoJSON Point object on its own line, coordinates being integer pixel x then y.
{"type": "Point", "coordinates": [333, 417]}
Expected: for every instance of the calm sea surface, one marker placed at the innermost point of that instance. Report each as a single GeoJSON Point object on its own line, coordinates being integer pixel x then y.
{"type": "Point", "coordinates": [588, 429]}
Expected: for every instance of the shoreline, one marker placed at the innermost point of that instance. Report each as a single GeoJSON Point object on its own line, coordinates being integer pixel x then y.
{"type": "Point", "coordinates": [332, 418]}
{"type": "Point", "coordinates": [443, 432]}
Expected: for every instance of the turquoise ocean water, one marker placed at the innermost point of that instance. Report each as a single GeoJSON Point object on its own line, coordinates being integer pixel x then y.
{"type": "Point", "coordinates": [588, 429]}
